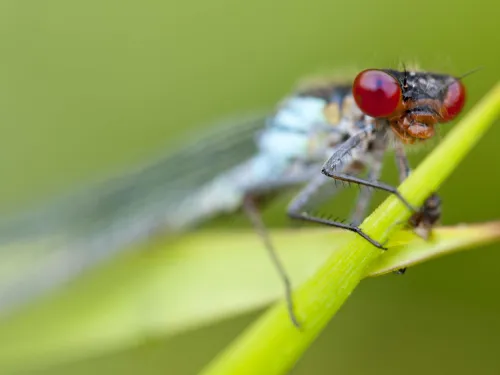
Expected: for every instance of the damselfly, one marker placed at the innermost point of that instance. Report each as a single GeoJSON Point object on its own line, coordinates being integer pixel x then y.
{"type": "Point", "coordinates": [320, 134]}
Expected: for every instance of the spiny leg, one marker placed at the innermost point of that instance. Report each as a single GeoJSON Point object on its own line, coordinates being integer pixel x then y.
{"type": "Point", "coordinates": [429, 213]}
{"type": "Point", "coordinates": [336, 162]}
{"type": "Point", "coordinates": [250, 206]}
{"type": "Point", "coordinates": [297, 209]}
{"type": "Point", "coordinates": [342, 159]}
{"type": "Point", "coordinates": [374, 184]}
{"type": "Point", "coordinates": [424, 220]}
{"type": "Point", "coordinates": [251, 210]}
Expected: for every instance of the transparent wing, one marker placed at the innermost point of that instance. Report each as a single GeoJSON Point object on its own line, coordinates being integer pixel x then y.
{"type": "Point", "coordinates": [46, 247]}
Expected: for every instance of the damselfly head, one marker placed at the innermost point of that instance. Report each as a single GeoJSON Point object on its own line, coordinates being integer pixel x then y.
{"type": "Point", "coordinates": [412, 102]}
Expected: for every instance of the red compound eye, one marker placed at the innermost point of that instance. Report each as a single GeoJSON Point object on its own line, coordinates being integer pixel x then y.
{"type": "Point", "coordinates": [454, 101]}
{"type": "Point", "coordinates": [376, 93]}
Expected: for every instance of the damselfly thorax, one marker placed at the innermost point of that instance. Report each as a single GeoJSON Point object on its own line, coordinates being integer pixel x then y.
{"type": "Point", "coordinates": [325, 133]}
{"type": "Point", "coordinates": [291, 148]}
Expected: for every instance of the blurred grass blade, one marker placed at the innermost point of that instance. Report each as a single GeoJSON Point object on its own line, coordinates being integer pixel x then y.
{"type": "Point", "coordinates": [272, 345]}
{"type": "Point", "coordinates": [166, 292]}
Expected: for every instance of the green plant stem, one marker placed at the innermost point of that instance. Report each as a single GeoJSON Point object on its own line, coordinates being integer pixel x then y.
{"type": "Point", "coordinates": [273, 345]}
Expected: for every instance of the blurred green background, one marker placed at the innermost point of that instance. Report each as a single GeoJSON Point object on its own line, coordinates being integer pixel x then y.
{"type": "Point", "coordinates": [90, 87]}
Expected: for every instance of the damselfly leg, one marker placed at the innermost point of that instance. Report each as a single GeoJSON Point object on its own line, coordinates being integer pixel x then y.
{"type": "Point", "coordinates": [429, 213]}
{"type": "Point", "coordinates": [373, 184]}
{"type": "Point", "coordinates": [337, 162]}
{"type": "Point", "coordinates": [424, 220]}
{"type": "Point", "coordinates": [296, 210]}
{"type": "Point", "coordinates": [331, 166]}
{"type": "Point", "coordinates": [250, 207]}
